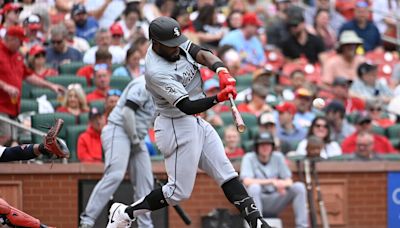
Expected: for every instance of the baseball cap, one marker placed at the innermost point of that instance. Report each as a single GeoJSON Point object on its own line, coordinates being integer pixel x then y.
{"type": "Point", "coordinates": [251, 19]}
{"type": "Point", "coordinates": [11, 6]}
{"type": "Point", "coordinates": [341, 81]}
{"type": "Point", "coordinates": [16, 31]}
{"type": "Point", "coordinates": [116, 29]}
{"type": "Point", "coordinates": [366, 67]}
{"type": "Point", "coordinates": [266, 118]}
{"type": "Point", "coordinates": [286, 107]}
{"type": "Point", "coordinates": [114, 92]}
{"type": "Point", "coordinates": [167, 31]}
{"type": "Point", "coordinates": [32, 22]}
{"type": "Point", "coordinates": [36, 49]}
{"type": "Point", "coordinates": [294, 16]}
{"type": "Point", "coordinates": [78, 9]}
{"type": "Point", "coordinates": [264, 137]}
{"type": "Point", "coordinates": [362, 4]}
{"type": "Point", "coordinates": [335, 106]}
{"type": "Point", "coordinates": [349, 37]}
{"type": "Point", "coordinates": [362, 117]}
{"type": "Point", "coordinates": [211, 83]}
{"type": "Point", "coordinates": [303, 92]}
{"type": "Point", "coordinates": [94, 112]}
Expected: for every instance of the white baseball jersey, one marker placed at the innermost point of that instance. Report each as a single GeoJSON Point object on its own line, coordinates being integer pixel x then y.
{"type": "Point", "coordinates": [170, 82]}
{"type": "Point", "coordinates": [136, 92]}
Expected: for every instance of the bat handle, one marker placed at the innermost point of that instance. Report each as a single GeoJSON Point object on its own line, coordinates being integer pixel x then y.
{"type": "Point", "coordinates": [231, 98]}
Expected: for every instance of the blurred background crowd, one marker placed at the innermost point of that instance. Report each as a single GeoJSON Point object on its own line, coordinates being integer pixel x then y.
{"type": "Point", "coordinates": [72, 59]}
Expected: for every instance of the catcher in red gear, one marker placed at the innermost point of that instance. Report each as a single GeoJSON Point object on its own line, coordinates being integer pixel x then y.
{"type": "Point", "coordinates": [51, 146]}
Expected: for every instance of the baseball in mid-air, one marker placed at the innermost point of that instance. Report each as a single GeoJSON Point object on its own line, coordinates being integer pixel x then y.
{"type": "Point", "coordinates": [318, 103]}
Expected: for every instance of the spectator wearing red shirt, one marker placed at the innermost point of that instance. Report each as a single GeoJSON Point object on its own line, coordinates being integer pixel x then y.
{"type": "Point", "coordinates": [102, 56]}
{"type": "Point", "coordinates": [232, 143]}
{"type": "Point", "coordinates": [381, 145]}
{"type": "Point", "coordinates": [89, 142]}
{"type": "Point", "coordinates": [102, 76]}
{"type": "Point", "coordinates": [37, 62]}
{"type": "Point", "coordinates": [340, 90]}
{"type": "Point", "coordinates": [74, 101]}
{"type": "Point", "coordinates": [12, 72]}
{"type": "Point", "coordinates": [10, 16]}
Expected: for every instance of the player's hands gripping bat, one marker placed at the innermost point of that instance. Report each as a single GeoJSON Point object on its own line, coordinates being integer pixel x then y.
{"type": "Point", "coordinates": [223, 95]}
{"type": "Point", "coordinates": [237, 118]}
{"type": "Point", "coordinates": [225, 78]}
{"type": "Point", "coordinates": [53, 145]}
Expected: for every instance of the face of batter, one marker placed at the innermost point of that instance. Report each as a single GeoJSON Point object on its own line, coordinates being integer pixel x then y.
{"type": "Point", "coordinates": [171, 54]}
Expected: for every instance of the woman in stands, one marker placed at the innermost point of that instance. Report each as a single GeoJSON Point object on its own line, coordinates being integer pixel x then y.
{"type": "Point", "coordinates": [320, 128]}
{"type": "Point", "coordinates": [37, 62]}
{"type": "Point", "coordinates": [74, 101]}
{"type": "Point", "coordinates": [132, 67]}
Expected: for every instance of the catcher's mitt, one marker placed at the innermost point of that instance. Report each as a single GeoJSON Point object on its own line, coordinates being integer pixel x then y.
{"type": "Point", "coordinates": [53, 145]}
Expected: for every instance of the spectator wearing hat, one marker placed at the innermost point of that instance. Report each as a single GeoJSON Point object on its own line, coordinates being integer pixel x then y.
{"type": "Point", "coordinates": [375, 109]}
{"type": "Point", "coordinates": [112, 98]}
{"type": "Point", "coordinates": [12, 72]}
{"type": "Point", "coordinates": [336, 115]}
{"type": "Point", "coordinates": [246, 41]}
{"type": "Point", "coordinates": [364, 150]}
{"type": "Point", "coordinates": [10, 15]}
{"type": "Point", "coordinates": [346, 62]}
{"type": "Point", "coordinates": [303, 101]}
{"type": "Point", "coordinates": [261, 77]}
{"type": "Point", "coordinates": [59, 53]}
{"type": "Point", "coordinates": [363, 26]}
{"type": "Point", "coordinates": [34, 31]}
{"type": "Point", "coordinates": [86, 26]}
{"type": "Point", "coordinates": [102, 76]}
{"type": "Point", "coordinates": [37, 62]}
{"type": "Point", "coordinates": [340, 91]}
{"type": "Point", "coordinates": [133, 67]}
{"type": "Point", "coordinates": [288, 131]}
{"type": "Point", "coordinates": [89, 148]}
{"type": "Point", "coordinates": [300, 42]}
{"type": "Point", "coordinates": [117, 35]}
{"type": "Point", "coordinates": [208, 31]}
{"type": "Point", "coordinates": [267, 123]}
{"type": "Point", "coordinates": [363, 122]}
{"type": "Point", "coordinates": [276, 28]}
{"type": "Point", "coordinates": [103, 42]}
{"type": "Point", "coordinates": [257, 104]}
{"type": "Point", "coordinates": [74, 41]}
{"type": "Point", "coordinates": [368, 87]}
{"type": "Point", "coordinates": [232, 143]}
{"type": "Point", "coordinates": [320, 128]}
{"type": "Point", "coordinates": [268, 180]}
{"type": "Point", "coordinates": [87, 71]}
{"type": "Point", "coordinates": [74, 101]}
{"type": "Point", "coordinates": [336, 19]}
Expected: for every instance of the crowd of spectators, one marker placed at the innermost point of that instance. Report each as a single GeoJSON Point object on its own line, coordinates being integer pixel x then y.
{"type": "Point", "coordinates": [284, 53]}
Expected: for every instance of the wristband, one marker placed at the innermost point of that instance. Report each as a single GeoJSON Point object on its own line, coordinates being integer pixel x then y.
{"type": "Point", "coordinates": [217, 65]}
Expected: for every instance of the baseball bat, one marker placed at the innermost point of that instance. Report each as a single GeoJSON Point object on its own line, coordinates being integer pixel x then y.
{"type": "Point", "coordinates": [310, 193]}
{"type": "Point", "coordinates": [185, 218]}
{"type": "Point", "coordinates": [237, 118]}
{"type": "Point", "coordinates": [322, 209]}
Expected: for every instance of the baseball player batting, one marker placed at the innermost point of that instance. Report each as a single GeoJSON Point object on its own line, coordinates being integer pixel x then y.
{"type": "Point", "coordinates": [123, 143]}
{"type": "Point", "coordinates": [186, 141]}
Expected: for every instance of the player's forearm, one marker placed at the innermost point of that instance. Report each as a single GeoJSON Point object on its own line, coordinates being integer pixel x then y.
{"type": "Point", "coordinates": [207, 58]}
{"type": "Point", "coordinates": [198, 106]}
{"type": "Point", "coordinates": [17, 153]}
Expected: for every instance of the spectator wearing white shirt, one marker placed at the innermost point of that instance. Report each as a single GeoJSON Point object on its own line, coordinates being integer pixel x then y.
{"type": "Point", "coordinates": [103, 41]}
{"type": "Point", "coordinates": [74, 41]}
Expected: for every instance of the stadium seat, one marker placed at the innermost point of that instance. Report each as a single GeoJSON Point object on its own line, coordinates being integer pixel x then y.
{"type": "Point", "coordinates": [248, 145]}
{"type": "Point", "coordinates": [83, 118]}
{"type": "Point", "coordinates": [73, 133]}
{"type": "Point", "coordinates": [66, 80]}
{"type": "Point", "coordinates": [88, 89]}
{"type": "Point", "coordinates": [28, 105]}
{"type": "Point", "coordinates": [244, 80]}
{"type": "Point", "coordinates": [98, 104]}
{"type": "Point", "coordinates": [71, 68]}
{"type": "Point", "coordinates": [26, 90]}
{"type": "Point", "coordinates": [393, 132]}
{"type": "Point", "coordinates": [43, 121]}
{"type": "Point", "coordinates": [115, 66]}
{"type": "Point", "coordinates": [55, 103]}
{"type": "Point", "coordinates": [379, 130]}
{"type": "Point", "coordinates": [119, 82]}
{"type": "Point", "coordinates": [37, 92]}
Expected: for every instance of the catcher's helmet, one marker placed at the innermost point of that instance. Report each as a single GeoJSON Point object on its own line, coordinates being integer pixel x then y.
{"type": "Point", "coordinates": [167, 31]}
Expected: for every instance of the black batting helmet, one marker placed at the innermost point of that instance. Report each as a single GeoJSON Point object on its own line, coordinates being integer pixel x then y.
{"type": "Point", "coordinates": [167, 31]}
{"type": "Point", "coordinates": [264, 138]}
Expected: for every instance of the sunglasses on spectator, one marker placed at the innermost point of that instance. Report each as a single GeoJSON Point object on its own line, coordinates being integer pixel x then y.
{"type": "Point", "coordinates": [56, 41]}
{"type": "Point", "coordinates": [375, 109]}
{"type": "Point", "coordinates": [100, 66]}
{"type": "Point", "coordinates": [363, 144]}
{"type": "Point", "coordinates": [321, 126]}
{"type": "Point", "coordinates": [114, 92]}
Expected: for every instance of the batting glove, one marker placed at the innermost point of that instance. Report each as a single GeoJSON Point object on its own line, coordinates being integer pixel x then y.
{"type": "Point", "coordinates": [223, 95]}
{"type": "Point", "coordinates": [225, 78]}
